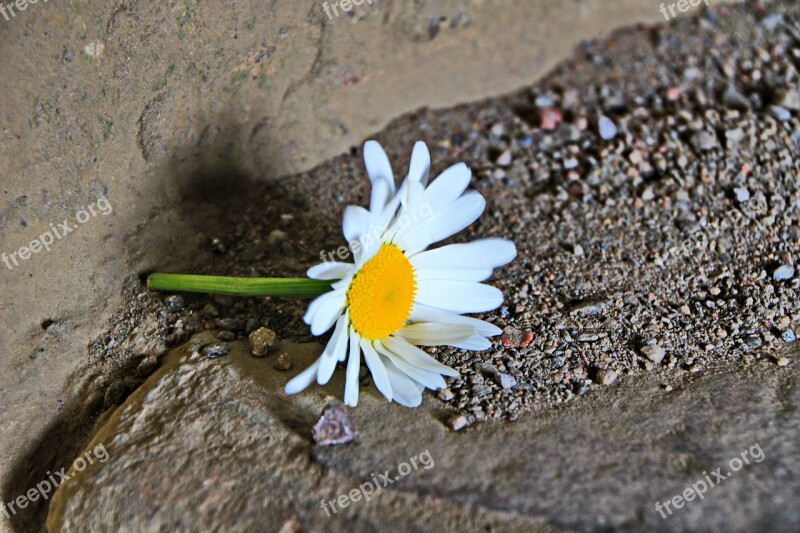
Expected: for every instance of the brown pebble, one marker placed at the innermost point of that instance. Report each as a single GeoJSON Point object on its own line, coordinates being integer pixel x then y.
{"type": "Point", "coordinates": [261, 340]}
{"type": "Point", "coordinates": [226, 335]}
{"type": "Point", "coordinates": [282, 362]}
{"type": "Point", "coordinates": [515, 338]}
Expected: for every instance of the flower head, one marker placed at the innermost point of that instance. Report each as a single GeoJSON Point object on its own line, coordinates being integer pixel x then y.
{"type": "Point", "coordinates": [397, 295]}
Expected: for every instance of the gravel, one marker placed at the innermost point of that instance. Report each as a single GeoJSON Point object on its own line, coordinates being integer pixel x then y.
{"type": "Point", "coordinates": [669, 129]}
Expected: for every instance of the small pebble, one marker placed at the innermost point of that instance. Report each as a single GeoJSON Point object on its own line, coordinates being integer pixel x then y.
{"type": "Point", "coordinates": [446, 395]}
{"type": "Point", "coordinates": [276, 237]}
{"type": "Point", "coordinates": [251, 326]}
{"type": "Point", "coordinates": [506, 381]}
{"type": "Point", "coordinates": [771, 22]}
{"type": "Point", "coordinates": [655, 353]}
{"type": "Point", "coordinates": [607, 128]}
{"type": "Point", "coordinates": [606, 376]}
{"type": "Point", "coordinates": [789, 336]}
{"type": "Point", "coordinates": [282, 362]}
{"type": "Point", "coordinates": [742, 195]}
{"type": "Point", "coordinates": [504, 159]}
{"type": "Point", "coordinates": [230, 324]}
{"type": "Point", "coordinates": [458, 422]}
{"type": "Point", "coordinates": [783, 361]}
{"type": "Point", "coordinates": [780, 113]}
{"type": "Point", "coordinates": [515, 338]}
{"type": "Point", "coordinates": [790, 99]}
{"type": "Point", "coordinates": [261, 340]}
{"type": "Point", "coordinates": [226, 335]}
{"type": "Point", "coordinates": [549, 118]}
{"type": "Point", "coordinates": [175, 303]}
{"type": "Point", "coordinates": [335, 426]}
{"type": "Point", "coordinates": [783, 272]}
{"type": "Point", "coordinates": [704, 141]}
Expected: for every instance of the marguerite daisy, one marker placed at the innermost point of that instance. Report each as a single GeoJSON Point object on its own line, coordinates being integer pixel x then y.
{"type": "Point", "coordinates": [397, 296]}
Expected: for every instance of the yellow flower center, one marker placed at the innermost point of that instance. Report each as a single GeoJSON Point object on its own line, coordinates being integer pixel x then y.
{"type": "Point", "coordinates": [382, 293]}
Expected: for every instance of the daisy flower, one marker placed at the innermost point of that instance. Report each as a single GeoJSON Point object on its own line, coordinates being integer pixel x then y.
{"type": "Point", "coordinates": [397, 295]}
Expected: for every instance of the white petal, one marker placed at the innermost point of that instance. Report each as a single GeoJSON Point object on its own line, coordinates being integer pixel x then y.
{"type": "Point", "coordinates": [341, 352]}
{"type": "Point", "coordinates": [432, 380]}
{"type": "Point", "coordinates": [475, 255]}
{"type": "Point", "coordinates": [423, 313]}
{"type": "Point", "coordinates": [334, 351]}
{"type": "Point", "coordinates": [431, 334]}
{"type": "Point", "coordinates": [454, 218]}
{"type": "Point", "coordinates": [302, 380]}
{"type": "Point", "coordinates": [377, 163]}
{"type": "Point", "coordinates": [457, 216]}
{"type": "Point", "coordinates": [412, 214]}
{"type": "Point", "coordinates": [406, 391]}
{"type": "Point", "coordinates": [476, 342]}
{"type": "Point", "coordinates": [329, 307]}
{"type": "Point", "coordinates": [377, 369]}
{"type": "Point", "coordinates": [379, 197]}
{"type": "Point", "coordinates": [355, 222]}
{"type": "Point", "coordinates": [351, 374]}
{"type": "Point", "coordinates": [369, 247]}
{"type": "Point", "coordinates": [342, 284]}
{"type": "Point", "coordinates": [412, 197]}
{"type": "Point", "coordinates": [446, 188]}
{"type": "Point", "coordinates": [459, 296]}
{"type": "Point", "coordinates": [330, 270]}
{"type": "Point", "coordinates": [380, 221]}
{"type": "Point", "coordinates": [420, 166]}
{"type": "Point", "coordinates": [315, 305]}
{"type": "Point", "coordinates": [452, 274]}
{"type": "Point", "coordinates": [417, 357]}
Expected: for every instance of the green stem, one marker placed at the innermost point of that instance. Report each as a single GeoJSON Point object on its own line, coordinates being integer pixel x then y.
{"type": "Point", "coordinates": [297, 287]}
